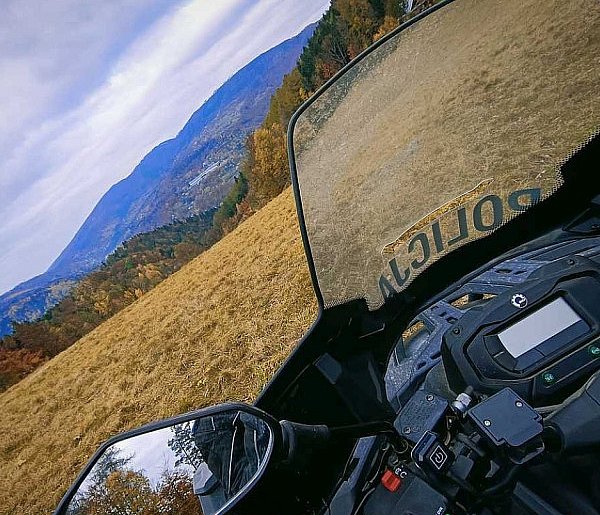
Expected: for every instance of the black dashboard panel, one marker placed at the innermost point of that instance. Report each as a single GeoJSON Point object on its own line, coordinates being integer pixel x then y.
{"type": "Point", "coordinates": [538, 338]}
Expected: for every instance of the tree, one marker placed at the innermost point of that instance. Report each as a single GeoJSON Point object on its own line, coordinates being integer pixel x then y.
{"type": "Point", "coordinates": [326, 52]}
{"type": "Point", "coordinates": [175, 496]}
{"type": "Point", "coordinates": [16, 364]}
{"type": "Point", "coordinates": [114, 490]}
{"type": "Point", "coordinates": [124, 492]}
{"type": "Point", "coordinates": [267, 166]}
{"type": "Point", "coordinates": [94, 493]}
{"type": "Point", "coordinates": [393, 8]}
{"type": "Point", "coordinates": [184, 447]}
{"type": "Point", "coordinates": [361, 21]}
{"type": "Point", "coordinates": [286, 99]}
{"type": "Point", "coordinates": [112, 459]}
{"type": "Point", "coordinates": [389, 24]}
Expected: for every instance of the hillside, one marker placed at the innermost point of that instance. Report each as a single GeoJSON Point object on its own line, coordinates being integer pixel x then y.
{"type": "Point", "coordinates": [169, 352]}
{"type": "Point", "coordinates": [132, 270]}
{"type": "Point", "coordinates": [183, 176]}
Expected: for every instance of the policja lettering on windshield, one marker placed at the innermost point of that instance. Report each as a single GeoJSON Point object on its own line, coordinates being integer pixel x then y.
{"type": "Point", "coordinates": [452, 229]}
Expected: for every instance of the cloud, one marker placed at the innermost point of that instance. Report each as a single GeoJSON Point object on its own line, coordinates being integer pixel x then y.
{"type": "Point", "coordinates": [51, 53]}
{"type": "Point", "coordinates": [86, 105]}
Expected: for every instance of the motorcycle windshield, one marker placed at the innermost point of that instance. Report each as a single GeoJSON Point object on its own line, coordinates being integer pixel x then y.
{"type": "Point", "coordinates": [440, 134]}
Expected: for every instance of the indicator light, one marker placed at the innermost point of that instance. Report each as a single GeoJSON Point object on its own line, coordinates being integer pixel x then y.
{"type": "Point", "coordinates": [548, 378]}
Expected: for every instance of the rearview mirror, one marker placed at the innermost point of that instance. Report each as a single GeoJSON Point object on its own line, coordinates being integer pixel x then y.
{"type": "Point", "coordinates": [202, 462]}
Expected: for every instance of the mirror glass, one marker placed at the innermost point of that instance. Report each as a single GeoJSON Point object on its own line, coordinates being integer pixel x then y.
{"type": "Point", "coordinates": [194, 467]}
{"type": "Point", "coordinates": [441, 134]}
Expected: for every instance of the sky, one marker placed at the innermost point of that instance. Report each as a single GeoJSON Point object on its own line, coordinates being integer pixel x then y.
{"type": "Point", "coordinates": [88, 88]}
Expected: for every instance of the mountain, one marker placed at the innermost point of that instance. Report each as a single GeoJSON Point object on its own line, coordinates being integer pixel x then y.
{"type": "Point", "coordinates": [168, 183]}
{"type": "Point", "coordinates": [183, 176]}
{"type": "Point", "coordinates": [31, 299]}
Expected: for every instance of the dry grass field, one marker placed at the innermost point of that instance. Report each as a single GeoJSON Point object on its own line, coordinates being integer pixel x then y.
{"type": "Point", "coordinates": [214, 331]}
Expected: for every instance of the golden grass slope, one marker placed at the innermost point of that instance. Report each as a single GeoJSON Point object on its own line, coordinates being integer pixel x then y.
{"type": "Point", "coordinates": [214, 331]}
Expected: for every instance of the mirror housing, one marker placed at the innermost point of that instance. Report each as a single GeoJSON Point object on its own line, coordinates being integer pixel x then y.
{"type": "Point", "coordinates": [184, 451]}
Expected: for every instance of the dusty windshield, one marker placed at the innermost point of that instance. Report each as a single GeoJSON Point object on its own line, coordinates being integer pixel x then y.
{"type": "Point", "coordinates": [446, 131]}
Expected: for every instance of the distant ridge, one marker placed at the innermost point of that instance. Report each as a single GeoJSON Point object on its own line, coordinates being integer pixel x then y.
{"type": "Point", "coordinates": [165, 185]}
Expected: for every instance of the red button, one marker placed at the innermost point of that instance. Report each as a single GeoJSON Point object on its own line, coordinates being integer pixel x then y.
{"type": "Point", "coordinates": [391, 481]}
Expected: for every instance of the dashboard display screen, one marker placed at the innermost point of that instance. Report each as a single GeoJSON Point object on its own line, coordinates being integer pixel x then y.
{"type": "Point", "coordinates": [538, 327]}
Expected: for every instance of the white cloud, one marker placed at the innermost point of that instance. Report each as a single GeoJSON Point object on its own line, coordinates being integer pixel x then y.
{"type": "Point", "coordinates": [51, 53]}
{"type": "Point", "coordinates": [140, 90]}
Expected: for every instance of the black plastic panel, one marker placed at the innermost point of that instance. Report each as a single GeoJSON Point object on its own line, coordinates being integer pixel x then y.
{"type": "Point", "coordinates": [473, 354]}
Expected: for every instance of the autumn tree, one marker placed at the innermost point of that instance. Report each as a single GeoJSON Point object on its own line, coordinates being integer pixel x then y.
{"type": "Point", "coordinates": [231, 212]}
{"type": "Point", "coordinates": [286, 100]}
{"type": "Point", "coordinates": [175, 496]}
{"type": "Point", "coordinates": [129, 492]}
{"type": "Point", "coordinates": [123, 492]}
{"type": "Point", "coordinates": [267, 164]}
{"type": "Point", "coordinates": [16, 364]}
{"type": "Point", "coordinates": [361, 22]}
{"type": "Point", "coordinates": [326, 52]}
